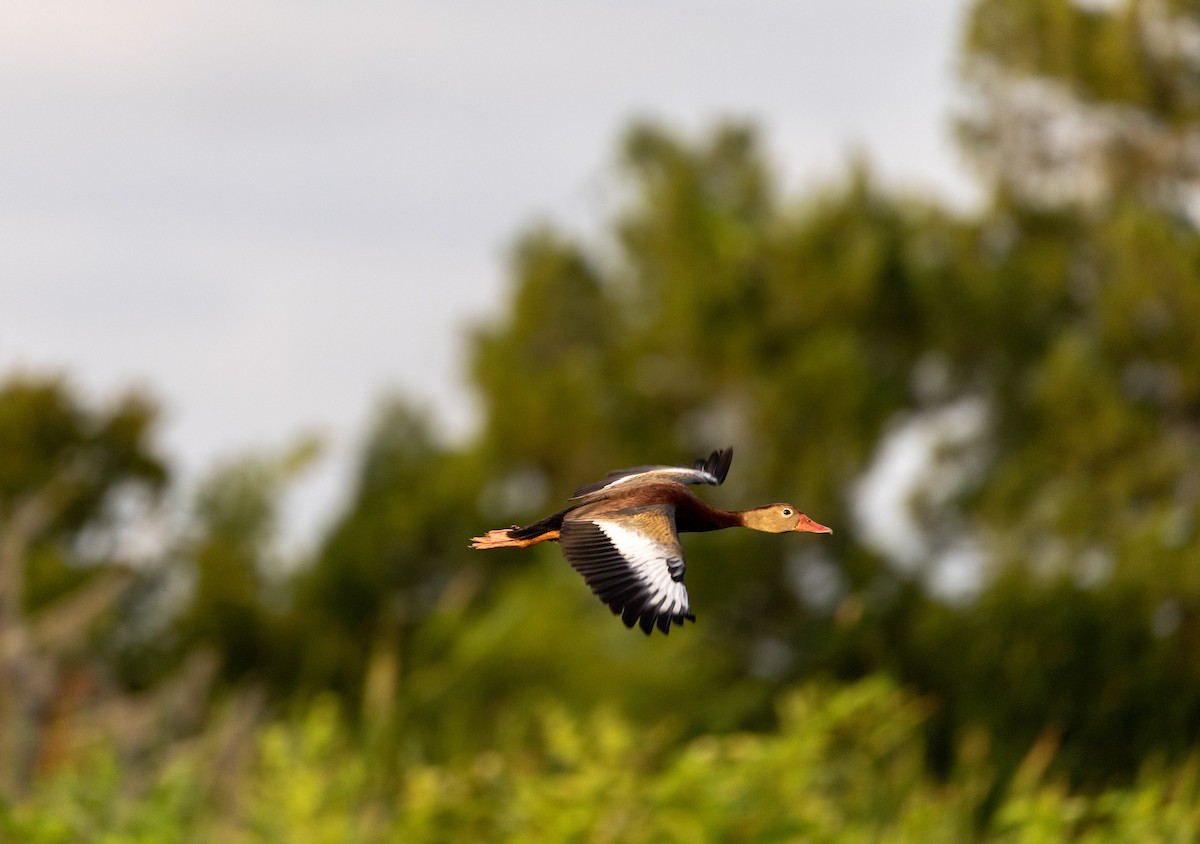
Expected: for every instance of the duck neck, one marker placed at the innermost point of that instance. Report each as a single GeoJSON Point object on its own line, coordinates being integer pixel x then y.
{"type": "Point", "coordinates": [700, 517]}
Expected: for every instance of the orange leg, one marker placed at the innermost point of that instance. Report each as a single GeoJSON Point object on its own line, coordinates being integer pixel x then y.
{"type": "Point", "coordinates": [500, 539]}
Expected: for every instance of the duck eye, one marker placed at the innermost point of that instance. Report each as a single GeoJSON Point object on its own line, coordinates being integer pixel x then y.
{"type": "Point", "coordinates": [787, 511]}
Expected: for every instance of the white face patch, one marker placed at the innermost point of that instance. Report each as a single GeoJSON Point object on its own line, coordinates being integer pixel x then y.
{"type": "Point", "coordinates": [648, 560]}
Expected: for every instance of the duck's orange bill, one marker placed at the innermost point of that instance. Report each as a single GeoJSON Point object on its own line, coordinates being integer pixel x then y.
{"type": "Point", "coordinates": [807, 525]}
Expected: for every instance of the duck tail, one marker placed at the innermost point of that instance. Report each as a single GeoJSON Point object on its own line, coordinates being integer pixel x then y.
{"type": "Point", "coordinates": [522, 537]}
{"type": "Point", "coordinates": [502, 538]}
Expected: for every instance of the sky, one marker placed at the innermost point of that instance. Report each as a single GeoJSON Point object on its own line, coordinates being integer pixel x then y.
{"type": "Point", "coordinates": [269, 214]}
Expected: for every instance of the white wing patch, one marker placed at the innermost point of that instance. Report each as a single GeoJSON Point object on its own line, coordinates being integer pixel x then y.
{"type": "Point", "coordinates": [653, 564]}
{"type": "Point", "coordinates": [636, 569]}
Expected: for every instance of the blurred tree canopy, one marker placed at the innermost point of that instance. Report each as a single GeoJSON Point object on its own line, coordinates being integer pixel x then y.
{"type": "Point", "coordinates": [1042, 588]}
{"type": "Point", "coordinates": [71, 478]}
{"type": "Point", "coordinates": [1085, 104]}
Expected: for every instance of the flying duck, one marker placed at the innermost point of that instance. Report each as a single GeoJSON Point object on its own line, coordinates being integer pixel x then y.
{"type": "Point", "coordinates": [622, 535]}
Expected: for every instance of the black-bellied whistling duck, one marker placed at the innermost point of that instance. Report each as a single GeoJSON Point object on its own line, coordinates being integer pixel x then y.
{"type": "Point", "coordinates": [622, 535]}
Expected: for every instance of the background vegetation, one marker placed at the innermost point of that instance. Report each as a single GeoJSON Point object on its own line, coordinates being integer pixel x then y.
{"type": "Point", "coordinates": [1020, 660]}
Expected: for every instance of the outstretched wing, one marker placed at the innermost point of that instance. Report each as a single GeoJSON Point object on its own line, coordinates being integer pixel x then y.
{"type": "Point", "coordinates": [633, 561]}
{"type": "Point", "coordinates": [705, 470]}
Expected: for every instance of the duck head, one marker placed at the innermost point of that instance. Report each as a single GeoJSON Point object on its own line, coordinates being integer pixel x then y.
{"type": "Point", "coordinates": [781, 518]}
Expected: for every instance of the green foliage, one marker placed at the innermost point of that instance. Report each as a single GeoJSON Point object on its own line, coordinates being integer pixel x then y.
{"type": "Point", "coordinates": [804, 333]}
{"type": "Point", "coordinates": [845, 764]}
{"type": "Point", "coordinates": [64, 468]}
{"type": "Point", "coordinates": [387, 562]}
{"type": "Point", "coordinates": [1119, 53]}
{"type": "Point", "coordinates": [88, 803]}
{"type": "Point", "coordinates": [233, 606]}
{"type": "Point", "coordinates": [65, 471]}
{"type": "Point", "coordinates": [1084, 104]}
{"type": "Point", "coordinates": [45, 430]}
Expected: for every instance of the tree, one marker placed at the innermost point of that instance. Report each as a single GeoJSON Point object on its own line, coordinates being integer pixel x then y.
{"type": "Point", "coordinates": [66, 470]}
{"type": "Point", "coordinates": [1084, 104]}
{"type": "Point", "coordinates": [238, 599]}
{"type": "Point", "coordinates": [389, 557]}
{"type": "Point", "coordinates": [807, 334]}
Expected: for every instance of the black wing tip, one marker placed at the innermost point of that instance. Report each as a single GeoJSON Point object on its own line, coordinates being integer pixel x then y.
{"type": "Point", "coordinates": [648, 621]}
{"type": "Point", "coordinates": [716, 464]}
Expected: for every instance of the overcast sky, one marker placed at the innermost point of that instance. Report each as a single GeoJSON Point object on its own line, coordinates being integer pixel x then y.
{"type": "Point", "coordinates": [269, 212]}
